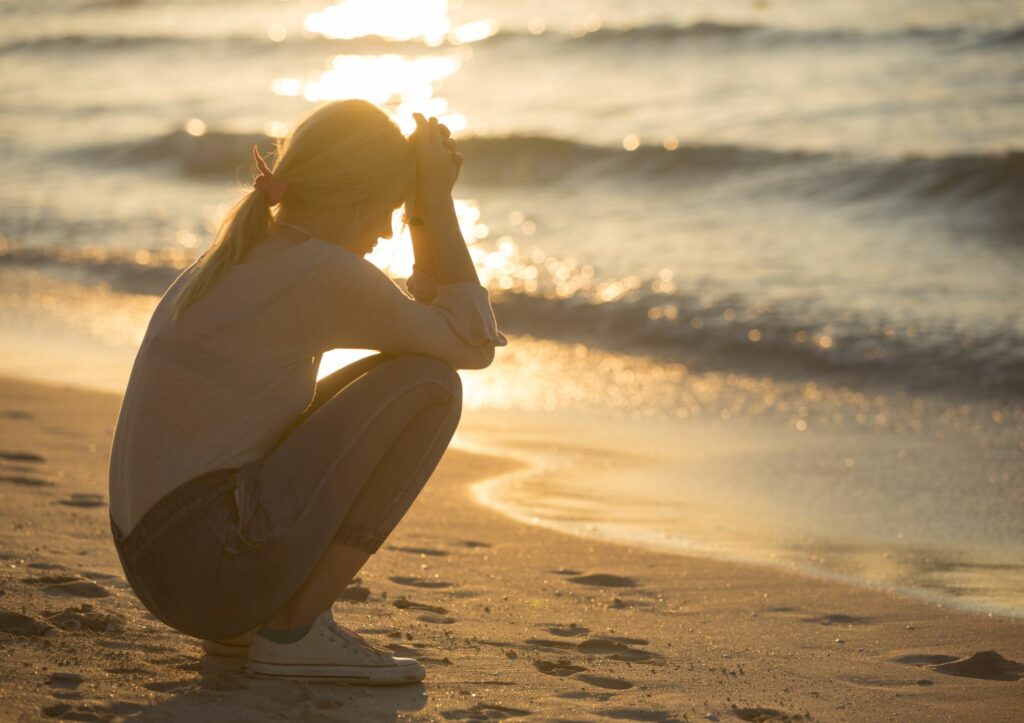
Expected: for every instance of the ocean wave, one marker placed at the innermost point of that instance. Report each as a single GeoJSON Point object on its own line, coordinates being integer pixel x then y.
{"type": "Point", "coordinates": [735, 333]}
{"type": "Point", "coordinates": [656, 35]}
{"type": "Point", "coordinates": [662, 33]}
{"type": "Point", "coordinates": [125, 271]}
{"type": "Point", "coordinates": [99, 42]}
{"type": "Point", "coordinates": [490, 159]}
{"type": "Point", "coordinates": [525, 159]}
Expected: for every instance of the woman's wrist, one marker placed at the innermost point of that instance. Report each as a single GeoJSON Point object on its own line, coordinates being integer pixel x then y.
{"type": "Point", "coordinates": [438, 206]}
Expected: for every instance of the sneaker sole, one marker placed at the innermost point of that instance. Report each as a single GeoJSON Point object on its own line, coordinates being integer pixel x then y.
{"type": "Point", "coordinates": [350, 674]}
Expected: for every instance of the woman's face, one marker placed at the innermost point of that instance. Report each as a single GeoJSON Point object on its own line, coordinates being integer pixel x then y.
{"type": "Point", "coordinates": [376, 225]}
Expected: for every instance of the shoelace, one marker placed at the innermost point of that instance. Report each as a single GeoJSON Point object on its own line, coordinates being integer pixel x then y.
{"type": "Point", "coordinates": [353, 637]}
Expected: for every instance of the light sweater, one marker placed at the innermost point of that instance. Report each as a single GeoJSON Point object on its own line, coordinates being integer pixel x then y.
{"type": "Point", "coordinates": [220, 387]}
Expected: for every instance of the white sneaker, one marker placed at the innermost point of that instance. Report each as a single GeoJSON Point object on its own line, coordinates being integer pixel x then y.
{"type": "Point", "coordinates": [332, 654]}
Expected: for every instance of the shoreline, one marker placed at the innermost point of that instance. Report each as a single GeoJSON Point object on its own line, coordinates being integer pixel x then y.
{"type": "Point", "coordinates": [511, 620]}
{"type": "Point", "coordinates": [573, 501]}
{"type": "Point", "coordinates": [489, 493]}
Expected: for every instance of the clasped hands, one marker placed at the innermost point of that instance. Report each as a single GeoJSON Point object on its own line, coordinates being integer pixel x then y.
{"type": "Point", "coordinates": [438, 162]}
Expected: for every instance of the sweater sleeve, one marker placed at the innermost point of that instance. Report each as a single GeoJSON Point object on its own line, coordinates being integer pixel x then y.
{"type": "Point", "coordinates": [356, 305]}
{"type": "Point", "coordinates": [421, 285]}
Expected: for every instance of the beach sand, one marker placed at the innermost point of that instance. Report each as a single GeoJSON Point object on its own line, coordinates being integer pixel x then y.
{"type": "Point", "coordinates": [510, 620]}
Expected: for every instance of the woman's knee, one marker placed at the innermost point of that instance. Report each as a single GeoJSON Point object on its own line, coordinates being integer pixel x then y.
{"type": "Point", "coordinates": [432, 369]}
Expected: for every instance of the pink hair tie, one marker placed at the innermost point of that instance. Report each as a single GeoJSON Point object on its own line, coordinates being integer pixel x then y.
{"type": "Point", "coordinates": [266, 182]}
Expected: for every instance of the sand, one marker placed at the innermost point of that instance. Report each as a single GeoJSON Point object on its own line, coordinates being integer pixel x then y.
{"type": "Point", "coordinates": [511, 620]}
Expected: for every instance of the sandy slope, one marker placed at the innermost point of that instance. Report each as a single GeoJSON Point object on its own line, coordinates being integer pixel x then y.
{"type": "Point", "coordinates": [510, 620]}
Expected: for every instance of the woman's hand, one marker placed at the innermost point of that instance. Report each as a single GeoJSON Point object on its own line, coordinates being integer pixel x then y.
{"type": "Point", "coordinates": [438, 163]}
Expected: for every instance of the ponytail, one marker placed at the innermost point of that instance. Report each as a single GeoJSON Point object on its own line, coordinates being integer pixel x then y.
{"type": "Point", "coordinates": [246, 223]}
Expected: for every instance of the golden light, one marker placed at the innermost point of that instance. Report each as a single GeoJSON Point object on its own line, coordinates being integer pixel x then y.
{"type": "Point", "coordinates": [275, 129]}
{"type": "Point", "coordinates": [406, 84]}
{"type": "Point", "coordinates": [380, 78]}
{"type": "Point", "coordinates": [195, 127]}
{"type": "Point", "coordinates": [474, 32]}
{"type": "Point", "coordinates": [395, 255]}
{"type": "Point", "coordinates": [425, 20]}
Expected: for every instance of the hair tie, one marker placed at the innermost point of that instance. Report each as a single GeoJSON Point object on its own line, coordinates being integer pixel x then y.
{"type": "Point", "coordinates": [266, 182]}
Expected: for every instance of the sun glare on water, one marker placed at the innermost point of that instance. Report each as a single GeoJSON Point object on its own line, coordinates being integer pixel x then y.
{"type": "Point", "coordinates": [425, 20]}
{"type": "Point", "coordinates": [402, 83]}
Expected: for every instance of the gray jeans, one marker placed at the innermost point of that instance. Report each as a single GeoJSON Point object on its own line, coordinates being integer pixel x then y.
{"type": "Point", "coordinates": [224, 551]}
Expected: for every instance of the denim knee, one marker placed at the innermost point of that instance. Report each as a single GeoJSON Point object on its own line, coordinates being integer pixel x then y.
{"type": "Point", "coordinates": [437, 370]}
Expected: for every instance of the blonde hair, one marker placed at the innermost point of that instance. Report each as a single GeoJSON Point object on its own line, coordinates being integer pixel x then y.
{"type": "Point", "coordinates": [347, 151]}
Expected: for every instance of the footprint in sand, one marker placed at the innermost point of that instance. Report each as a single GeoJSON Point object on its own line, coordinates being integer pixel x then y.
{"type": "Point", "coordinates": [616, 650]}
{"type": "Point", "coordinates": [613, 648]}
{"type": "Point", "coordinates": [436, 619]}
{"type": "Point", "coordinates": [17, 414]}
{"type": "Point", "coordinates": [552, 644]}
{"type": "Point", "coordinates": [18, 624]}
{"type": "Point", "coordinates": [924, 659]}
{"type": "Point", "coordinates": [484, 712]}
{"type": "Point", "coordinates": [82, 499]}
{"type": "Point", "coordinates": [23, 481]}
{"type": "Point", "coordinates": [838, 619]}
{"type": "Point", "coordinates": [561, 668]}
{"type": "Point", "coordinates": [65, 679]}
{"type": "Point", "coordinates": [567, 631]}
{"type": "Point", "coordinates": [602, 579]}
{"type": "Point", "coordinates": [68, 585]}
{"type": "Point", "coordinates": [643, 714]}
{"type": "Point", "coordinates": [765, 715]}
{"type": "Point", "coordinates": [21, 457]}
{"type": "Point", "coordinates": [403, 603]}
{"type": "Point", "coordinates": [419, 551]}
{"type": "Point", "coordinates": [419, 582]}
{"type": "Point", "coordinates": [85, 617]}
{"type": "Point", "coordinates": [601, 681]}
{"type": "Point", "coordinates": [474, 543]}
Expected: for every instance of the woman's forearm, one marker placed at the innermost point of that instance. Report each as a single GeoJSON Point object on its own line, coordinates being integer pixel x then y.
{"type": "Point", "coordinates": [423, 249]}
{"type": "Point", "coordinates": [442, 234]}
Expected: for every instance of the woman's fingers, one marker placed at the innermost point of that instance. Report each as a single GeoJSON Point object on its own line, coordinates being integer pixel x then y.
{"type": "Point", "coordinates": [422, 132]}
{"type": "Point", "coordinates": [432, 130]}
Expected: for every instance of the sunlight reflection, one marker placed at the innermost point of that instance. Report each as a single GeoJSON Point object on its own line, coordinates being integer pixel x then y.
{"type": "Point", "coordinates": [399, 20]}
{"type": "Point", "coordinates": [425, 20]}
{"type": "Point", "coordinates": [403, 84]}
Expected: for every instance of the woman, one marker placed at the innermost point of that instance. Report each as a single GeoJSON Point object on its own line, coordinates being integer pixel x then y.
{"type": "Point", "coordinates": [244, 495]}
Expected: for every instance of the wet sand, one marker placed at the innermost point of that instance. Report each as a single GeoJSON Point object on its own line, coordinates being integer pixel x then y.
{"type": "Point", "coordinates": [511, 620]}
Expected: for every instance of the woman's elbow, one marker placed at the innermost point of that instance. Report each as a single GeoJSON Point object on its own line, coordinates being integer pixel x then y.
{"type": "Point", "coordinates": [480, 357]}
